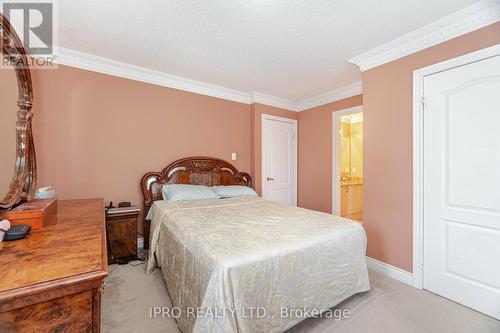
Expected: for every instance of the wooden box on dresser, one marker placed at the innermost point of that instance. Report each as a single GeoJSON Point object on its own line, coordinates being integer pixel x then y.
{"type": "Point", "coordinates": [51, 281]}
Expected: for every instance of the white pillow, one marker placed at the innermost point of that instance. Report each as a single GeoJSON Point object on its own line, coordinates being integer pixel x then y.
{"type": "Point", "coordinates": [231, 191]}
{"type": "Point", "coordinates": [185, 192]}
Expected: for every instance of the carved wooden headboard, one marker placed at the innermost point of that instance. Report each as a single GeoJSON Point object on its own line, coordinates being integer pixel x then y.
{"type": "Point", "coordinates": [198, 170]}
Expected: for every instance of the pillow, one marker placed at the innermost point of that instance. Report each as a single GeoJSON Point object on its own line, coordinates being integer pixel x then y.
{"type": "Point", "coordinates": [184, 192]}
{"type": "Point", "coordinates": [231, 191]}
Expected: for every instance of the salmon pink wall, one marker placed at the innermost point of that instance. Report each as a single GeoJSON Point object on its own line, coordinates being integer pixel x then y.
{"type": "Point", "coordinates": [256, 137]}
{"type": "Point", "coordinates": [387, 106]}
{"type": "Point", "coordinates": [96, 135]}
{"type": "Point", "coordinates": [315, 154]}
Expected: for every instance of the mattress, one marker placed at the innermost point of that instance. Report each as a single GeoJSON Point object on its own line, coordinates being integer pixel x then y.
{"type": "Point", "coordinates": [247, 264]}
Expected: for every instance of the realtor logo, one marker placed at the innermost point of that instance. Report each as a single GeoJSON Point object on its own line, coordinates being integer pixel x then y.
{"type": "Point", "coordinates": [35, 24]}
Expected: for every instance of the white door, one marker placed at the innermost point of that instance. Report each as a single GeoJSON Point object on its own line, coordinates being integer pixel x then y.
{"type": "Point", "coordinates": [462, 185]}
{"type": "Point", "coordinates": [279, 159]}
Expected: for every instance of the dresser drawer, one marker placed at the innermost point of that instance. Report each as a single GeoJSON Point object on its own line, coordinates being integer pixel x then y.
{"type": "Point", "coordinates": [72, 313]}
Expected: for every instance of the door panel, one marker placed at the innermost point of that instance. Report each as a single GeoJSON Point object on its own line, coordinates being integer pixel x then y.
{"type": "Point", "coordinates": [461, 261]}
{"type": "Point", "coordinates": [279, 161]}
{"type": "Point", "coordinates": [462, 185]}
{"type": "Point", "coordinates": [473, 143]}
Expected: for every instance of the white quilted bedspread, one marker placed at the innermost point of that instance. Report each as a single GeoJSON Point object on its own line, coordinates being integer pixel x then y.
{"type": "Point", "coordinates": [244, 264]}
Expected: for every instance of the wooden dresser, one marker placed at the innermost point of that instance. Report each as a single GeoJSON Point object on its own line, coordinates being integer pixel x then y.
{"type": "Point", "coordinates": [51, 281]}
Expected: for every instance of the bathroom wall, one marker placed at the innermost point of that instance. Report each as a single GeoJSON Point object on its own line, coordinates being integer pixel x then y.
{"type": "Point", "coordinates": [357, 149]}
{"type": "Point", "coordinates": [345, 147]}
{"type": "Point", "coordinates": [351, 148]}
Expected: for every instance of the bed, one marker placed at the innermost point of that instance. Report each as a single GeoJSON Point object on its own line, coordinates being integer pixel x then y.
{"type": "Point", "coordinates": [246, 264]}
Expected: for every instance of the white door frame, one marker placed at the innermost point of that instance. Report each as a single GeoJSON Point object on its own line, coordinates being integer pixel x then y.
{"type": "Point", "coordinates": [418, 149]}
{"type": "Point", "coordinates": [336, 155]}
{"type": "Point", "coordinates": [294, 158]}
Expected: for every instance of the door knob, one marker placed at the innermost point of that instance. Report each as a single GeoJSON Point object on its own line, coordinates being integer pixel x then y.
{"type": "Point", "coordinates": [269, 178]}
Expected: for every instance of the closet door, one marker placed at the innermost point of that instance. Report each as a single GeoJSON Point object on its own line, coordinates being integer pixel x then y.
{"type": "Point", "coordinates": [462, 185]}
{"type": "Point", "coordinates": [279, 159]}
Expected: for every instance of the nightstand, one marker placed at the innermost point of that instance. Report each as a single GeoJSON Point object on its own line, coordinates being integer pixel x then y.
{"type": "Point", "coordinates": [121, 229]}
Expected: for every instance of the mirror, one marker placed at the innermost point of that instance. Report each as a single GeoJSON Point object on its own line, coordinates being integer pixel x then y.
{"type": "Point", "coordinates": [17, 163]}
{"type": "Point", "coordinates": [8, 118]}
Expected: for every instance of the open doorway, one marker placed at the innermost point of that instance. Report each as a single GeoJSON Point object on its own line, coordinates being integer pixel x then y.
{"type": "Point", "coordinates": [348, 163]}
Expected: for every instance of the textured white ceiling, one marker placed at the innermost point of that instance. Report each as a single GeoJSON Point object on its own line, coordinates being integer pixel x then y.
{"type": "Point", "coordinates": [291, 49]}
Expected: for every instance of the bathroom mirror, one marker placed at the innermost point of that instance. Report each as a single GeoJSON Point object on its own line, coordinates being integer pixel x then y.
{"type": "Point", "coordinates": [17, 163]}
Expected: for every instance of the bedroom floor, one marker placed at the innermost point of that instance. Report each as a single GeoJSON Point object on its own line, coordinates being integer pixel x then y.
{"type": "Point", "coordinates": [389, 307]}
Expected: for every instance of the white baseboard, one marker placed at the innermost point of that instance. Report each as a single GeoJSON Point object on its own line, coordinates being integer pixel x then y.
{"type": "Point", "coordinates": [390, 271]}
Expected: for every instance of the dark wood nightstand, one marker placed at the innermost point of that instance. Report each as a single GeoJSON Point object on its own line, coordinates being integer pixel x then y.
{"type": "Point", "coordinates": [121, 228]}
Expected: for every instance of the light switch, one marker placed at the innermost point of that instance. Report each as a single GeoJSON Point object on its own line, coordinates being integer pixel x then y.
{"type": "Point", "coordinates": [233, 156]}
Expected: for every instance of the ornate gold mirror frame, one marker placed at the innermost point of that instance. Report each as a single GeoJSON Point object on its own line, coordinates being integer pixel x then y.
{"type": "Point", "coordinates": [23, 181]}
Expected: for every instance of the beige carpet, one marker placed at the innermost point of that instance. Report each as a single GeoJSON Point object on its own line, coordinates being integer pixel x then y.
{"type": "Point", "coordinates": [389, 307]}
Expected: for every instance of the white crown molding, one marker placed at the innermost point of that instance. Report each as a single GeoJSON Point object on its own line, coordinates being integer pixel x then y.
{"type": "Point", "coordinates": [107, 66]}
{"type": "Point", "coordinates": [471, 18]}
{"type": "Point", "coordinates": [98, 64]}
{"type": "Point", "coordinates": [283, 103]}
{"type": "Point", "coordinates": [352, 89]}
